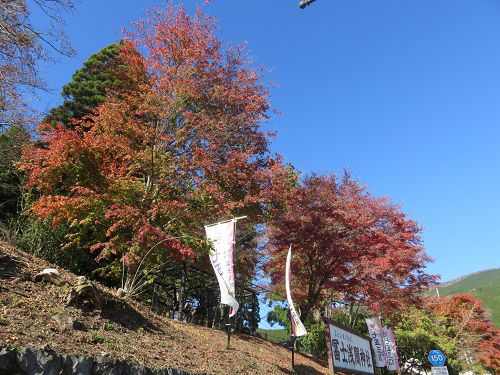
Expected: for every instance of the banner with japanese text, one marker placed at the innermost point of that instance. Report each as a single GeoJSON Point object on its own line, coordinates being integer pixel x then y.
{"type": "Point", "coordinates": [222, 237]}
{"type": "Point", "coordinates": [375, 329]}
{"type": "Point", "coordinates": [391, 355]}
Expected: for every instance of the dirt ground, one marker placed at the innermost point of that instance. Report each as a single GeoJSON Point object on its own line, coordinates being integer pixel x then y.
{"type": "Point", "coordinates": [123, 330]}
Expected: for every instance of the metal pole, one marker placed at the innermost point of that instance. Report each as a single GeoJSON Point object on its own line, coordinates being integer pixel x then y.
{"type": "Point", "coordinates": [293, 353]}
{"type": "Point", "coordinates": [228, 326]}
{"type": "Point", "coordinates": [305, 3]}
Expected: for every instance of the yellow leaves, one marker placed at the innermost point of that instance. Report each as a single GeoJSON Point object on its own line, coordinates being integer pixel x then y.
{"type": "Point", "coordinates": [73, 241]}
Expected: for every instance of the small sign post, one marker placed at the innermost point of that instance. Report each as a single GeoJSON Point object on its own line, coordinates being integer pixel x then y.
{"type": "Point", "coordinates": [439, 370]}
{"type": "Point", "coordinates": [437, 360]}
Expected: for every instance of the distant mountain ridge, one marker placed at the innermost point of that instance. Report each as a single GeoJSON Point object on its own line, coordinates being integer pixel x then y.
{"type": "Point", "coordinates": [483, 285]}
{"type": "Point", "coordinates": [460, 278]}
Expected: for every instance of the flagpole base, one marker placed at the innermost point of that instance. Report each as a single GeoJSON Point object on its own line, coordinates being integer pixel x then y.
{"type": "Point", "coordinates": [228, 327]}
{"type": "Point", "coordinates": [293, 338]}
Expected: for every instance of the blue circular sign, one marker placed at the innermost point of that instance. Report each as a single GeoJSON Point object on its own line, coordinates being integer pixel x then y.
{"type": "Point", "coordinates": [436, 358]}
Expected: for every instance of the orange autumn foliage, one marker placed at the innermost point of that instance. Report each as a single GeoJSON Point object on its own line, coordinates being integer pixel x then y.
{"type": "Point", "coordinates": [183, 148]}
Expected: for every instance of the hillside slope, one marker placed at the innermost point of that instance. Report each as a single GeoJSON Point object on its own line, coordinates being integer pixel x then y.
{"type": "Point", "coordinates": [123, 330]}
{"type": "Point", "coordinates": [484, 285]}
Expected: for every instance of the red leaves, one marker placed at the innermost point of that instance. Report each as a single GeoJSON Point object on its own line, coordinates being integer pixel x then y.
{"type": "Point", "coordinates": [181, 148]}
{"type": "Point", "coordinates": [470, 327]}
{"type": "Point", "coordinates": [345, 241]}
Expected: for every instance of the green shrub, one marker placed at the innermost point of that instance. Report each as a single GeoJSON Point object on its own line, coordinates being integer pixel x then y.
{"type": "Point", "coordinates": [314, 343]}
{"type": "Point", "coordinates": [97, 338]}
{"type": "Point", "coordinates": [109, 326]}
{"type": "Point", "coordinates": [43, 240]}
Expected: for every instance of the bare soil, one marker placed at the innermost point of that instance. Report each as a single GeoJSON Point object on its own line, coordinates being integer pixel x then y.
{"type": "Point", "coordinates": [122, 329]}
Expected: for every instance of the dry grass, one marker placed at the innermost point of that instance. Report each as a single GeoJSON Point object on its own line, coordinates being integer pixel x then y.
{"type": "Point", "coordinates": [124, 330]}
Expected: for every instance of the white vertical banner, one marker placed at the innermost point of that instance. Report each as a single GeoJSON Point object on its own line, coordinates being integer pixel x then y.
{"type": "Point", "coordinates": [390, 349]}
{"type": "Point", "coordinates": [222, 258]}
{"type": "Point", "coordinates": [375, 329]}
{"type": "Point", "coordinates": [298, 328]}
{"type": "Point", "coordinates": [392, 339]}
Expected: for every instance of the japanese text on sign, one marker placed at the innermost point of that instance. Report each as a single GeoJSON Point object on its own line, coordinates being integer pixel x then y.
{"type": "Point", "coordinates": [375, 330]}
{"type": "Point", "coordinates": [350, 352]}
{"type": "Point", "coordinates": [390, 347]}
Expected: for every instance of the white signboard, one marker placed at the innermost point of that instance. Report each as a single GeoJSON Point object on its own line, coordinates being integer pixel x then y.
{"type": "Point", "coordinates": [349, 352]}
{"type": "Point", "coordinates": [439, 370]}
{"type": "Point", "coordinates": [390, 349]}
{"type": "Point", "coordinates": [375, 330]}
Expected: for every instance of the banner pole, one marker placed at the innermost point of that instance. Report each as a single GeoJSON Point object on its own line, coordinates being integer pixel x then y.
{"type": "Point", "coordinates": [228, 326]}
{"type": "Point", "coordinates": [293, 353]}
{"type": "Point", "coordinates": [227, 221]}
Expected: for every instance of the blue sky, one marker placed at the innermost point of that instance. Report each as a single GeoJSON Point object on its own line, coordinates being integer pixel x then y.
{"type": "Point", "coordinates": [404, 93]}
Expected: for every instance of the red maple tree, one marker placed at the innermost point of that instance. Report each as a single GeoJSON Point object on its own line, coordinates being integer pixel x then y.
{"type": "Point", "coordinates": [348, 246]}
{"type": "Point", "coordinates": [475, 336]}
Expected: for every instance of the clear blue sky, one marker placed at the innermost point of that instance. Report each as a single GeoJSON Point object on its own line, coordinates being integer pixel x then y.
{"type": "Point", "coordinates": [404, 93]}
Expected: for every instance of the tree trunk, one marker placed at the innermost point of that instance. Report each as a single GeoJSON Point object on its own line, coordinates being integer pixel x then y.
{"type": "Point", "coordinates": [253, 324]}
{"type": "Point", "coordinates": [174, 301]}
{"type": "Point", "coordinates": [182, 293]}
{"type": "Point", "coordinates": [220, 317]}
{"type": "Point", "coordinates": [207, 311]}
{"type": "Point", "coordinates": [350, 313]}
{"type": "Point", "coordinates": [356, 315]}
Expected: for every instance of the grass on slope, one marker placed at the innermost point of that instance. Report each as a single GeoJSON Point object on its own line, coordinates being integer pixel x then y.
{"type": "Point", "coordinates": [274, 335]}
{"type": "Point", "coordinates": [124, 329]}
{"type": "Point", "coordinates": [483, 285]}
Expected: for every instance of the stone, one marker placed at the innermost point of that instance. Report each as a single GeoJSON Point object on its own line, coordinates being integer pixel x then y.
{"type": "Point", "coordinates": [140, 370]}
{"type": "Point", "coordinates": [50, 275]}
{"type": "Point", "coordinates": [42, 362]}
{"type": "Point", "coordinates": [108, 366]}
{"type": "Point", "coordinates": [84, 291]}
{"type": "Point", "coordinates": [8, 362]}
{"type": "Point", "coordinates": [78, 365]}
{"type": "Point", "coordinates": [47, 362]}
{"type": "Point", "coordinates": [64, 320]}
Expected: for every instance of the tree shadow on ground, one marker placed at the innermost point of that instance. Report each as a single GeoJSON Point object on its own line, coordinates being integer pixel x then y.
{"type": "Point", "coordinates": [301, 370]}
{"type": "Point", "coordinates": [121, 313]}
{"type": "Point", "coordinates": [9, 267]}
